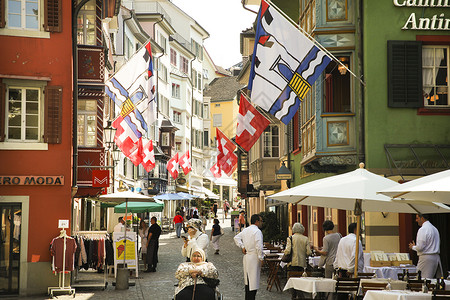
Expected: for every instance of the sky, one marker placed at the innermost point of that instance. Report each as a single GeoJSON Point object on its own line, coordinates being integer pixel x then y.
{"type": "Point", "coordinates": [224, 23]}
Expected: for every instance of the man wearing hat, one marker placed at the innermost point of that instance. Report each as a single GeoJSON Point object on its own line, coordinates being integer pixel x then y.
{"type": "Point", "coordinates": [197, 239]}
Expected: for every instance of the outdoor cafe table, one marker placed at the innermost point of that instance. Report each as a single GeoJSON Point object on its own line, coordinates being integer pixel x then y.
{"type": "Point", "coordinates": [311, 285]}
{"type": "Point", "coordinates": [396, 295]}
{"type": "Point", "coordinates": [389, 272]}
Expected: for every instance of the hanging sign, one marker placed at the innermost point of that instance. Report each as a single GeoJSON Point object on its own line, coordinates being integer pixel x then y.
{"type": "Point", "coordinates": [100, 178]}
{"type": "Point", "coordinates": [31, 180]}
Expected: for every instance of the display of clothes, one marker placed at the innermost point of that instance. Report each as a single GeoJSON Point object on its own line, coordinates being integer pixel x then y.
{"type": "Point", "coordinates": [93, 253]}
{"type": "Point", "coordinates": [57, 252]}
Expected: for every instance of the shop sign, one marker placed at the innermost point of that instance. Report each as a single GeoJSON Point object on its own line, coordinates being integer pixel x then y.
{"type": "Point", "coordinates": [31, 180]}
{"type": "Point", "coordinates": [435, 22]}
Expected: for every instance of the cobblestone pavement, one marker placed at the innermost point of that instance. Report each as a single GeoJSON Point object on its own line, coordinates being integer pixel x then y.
{"type": "Point", "coordinates": [160, 285]}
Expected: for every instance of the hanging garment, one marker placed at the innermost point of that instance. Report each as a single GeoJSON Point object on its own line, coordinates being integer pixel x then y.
{"type": "Point", "coordinates": [57, 251]}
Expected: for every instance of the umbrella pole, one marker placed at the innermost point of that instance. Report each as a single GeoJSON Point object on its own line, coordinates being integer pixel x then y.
{"type": "Point", "coordinates": [125, 233]}
{"type": "Point", "coordinates": [358, 212]}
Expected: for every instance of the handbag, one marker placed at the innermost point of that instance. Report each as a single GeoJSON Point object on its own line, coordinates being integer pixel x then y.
{"type": "Point", "coordinates": [211, 282]}
{"type": "Point", "coordinates": [287, 258]}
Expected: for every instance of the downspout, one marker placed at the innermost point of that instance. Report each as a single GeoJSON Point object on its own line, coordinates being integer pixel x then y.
{"type": "Point", "coordinates": [123, 34]}
{"type": "Point", "coordinates": [157, 77]}
{"type": "Point", "coordinates": [75, 10]}
{"type": "Point", "coordinates": [243, 5]}
{"type": "Point", "coordinates": [361, 119]}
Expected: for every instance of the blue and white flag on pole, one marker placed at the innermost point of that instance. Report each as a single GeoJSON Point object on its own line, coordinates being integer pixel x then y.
{"type": "Point", "coordinates": [133, 89]}
{"type": "Point", "coordinates": [285, 64]}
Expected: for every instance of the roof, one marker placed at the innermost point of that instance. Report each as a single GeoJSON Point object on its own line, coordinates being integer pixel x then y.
{"type": "Point", "coordinates": [223, 88]}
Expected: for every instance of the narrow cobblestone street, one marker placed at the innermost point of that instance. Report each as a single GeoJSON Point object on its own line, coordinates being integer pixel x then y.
{"type": "Point", "coordinates": [160, 285]}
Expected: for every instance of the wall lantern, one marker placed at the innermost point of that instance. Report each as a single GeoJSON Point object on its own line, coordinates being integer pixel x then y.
{"type": "Point", "coordinates": [342, 67]}
{"type": "Point", "coordinates": [283, 173]}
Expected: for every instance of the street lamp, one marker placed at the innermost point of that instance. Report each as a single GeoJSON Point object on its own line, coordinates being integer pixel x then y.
{"type": "Point", "coordinates": [283, 173]}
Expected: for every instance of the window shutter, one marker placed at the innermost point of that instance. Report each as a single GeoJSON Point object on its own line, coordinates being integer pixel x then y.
{"type": "Point", "coordinates": [52, 11]}
{"type": "Point", "coordinates": [2, 14]}
{"type": "Point", "coordinates": [405, 74]}
{"type": "Point", "coordinates": [53, 115]}
{"type": "Point", "coordinates": [2, 111]}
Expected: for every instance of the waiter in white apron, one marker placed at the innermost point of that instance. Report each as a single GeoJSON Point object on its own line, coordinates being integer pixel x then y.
{"type": "Point", "coordinates": [427, 247]}
{"type": "Point", "coordinates": [250, 240]}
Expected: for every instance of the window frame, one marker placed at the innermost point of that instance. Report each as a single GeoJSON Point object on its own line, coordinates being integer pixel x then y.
{"type": "Point", "coordinates": [173, 57]}
{"type": "Point", "coordinates": [23, 15]}
{"type": "Point", "coordinates": [85, 131]}
{"type": "Point", "coordinates": [176, 91]}
{"type": "Point", "coordinates": [83, 14]}
{"type": "Point", "coordinates": [425, 102]}
{"type": "Point", "coordinates": [269, 136]}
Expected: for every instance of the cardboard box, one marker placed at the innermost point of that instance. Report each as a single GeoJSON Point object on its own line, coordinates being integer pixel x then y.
{"type": "Point", "coordinates": [380, 263]}
{"type": "Point", "coordinates": [397, 263]}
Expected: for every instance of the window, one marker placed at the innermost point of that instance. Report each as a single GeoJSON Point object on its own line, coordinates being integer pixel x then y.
{"type": "Point", "coordinates": [87, 123]}
{"type": "Point", "coordinates": [206, 111]}
{"type": "Point", "coordinates": [129, 50]}
{"type": "Point", "coordinates": [23, 14]}
{"type": "Point", "coordinates": [205, 74]}
{"type": "Point", "coordinates": [178, 146]}
{"type": "Point", "coordinates": [173, 57]}
{"type": "Point", "coordinates": [176, 117]}
{"type": "Point", "coordinates": [165, 139]}
{"type": "Point", "coordinates": [337, 87]}
{"type": "Point", "coordinates": [206, 138]}
{"type": "Point", "coordinates": [163, 104]}
{"type": "Point", "coordinates": [217, 120]}
{"type": "Point", "coordinates": [86, 28]}
{"type": "Point", "coordinates": [199, 81]}
{"type": "Point", "coordinates": [184, 64]}
{"type": "Point", "coordinates": [175, 90]}
{"type": "Point", "coordinates": [24, 108]}
{"type": "Point", "coordinates": [194, 79]}
{"type": "Point", "coordinates": [271, 141]}
{"type": "Point", "coordinates": [435, 73]}
{"type": "Point", "coordinates": [197, 49]}
{"type": "Point", "coordinates": [163, 42]}
{"type": "Point", "coordinates": [162, 72]}
{"type": "Point", "coordinates": [217, 105]}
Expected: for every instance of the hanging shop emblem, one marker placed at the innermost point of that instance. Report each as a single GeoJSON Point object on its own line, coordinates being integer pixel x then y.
{"type": "Point", "coordinates": [31, 180]}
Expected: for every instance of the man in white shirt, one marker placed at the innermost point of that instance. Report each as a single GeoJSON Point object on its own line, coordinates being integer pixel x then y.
{"type": "Point", "coordinates": [345, 254]}
{"type": "Point", "coordinates": [250, 240]}
{"type": "Point", "coordinates": [120, 226]}
{"type": "Point", "coordinates": [427, 247]}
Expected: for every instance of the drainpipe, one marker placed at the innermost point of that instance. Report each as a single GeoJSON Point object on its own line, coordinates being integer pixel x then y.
{"type": "Point", "coordinates": [361, 137]}
{"type": "Point", "coordinates": [75, 10]}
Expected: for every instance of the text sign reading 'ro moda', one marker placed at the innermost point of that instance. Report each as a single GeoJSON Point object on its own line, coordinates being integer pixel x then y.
{"type": "Point", "coordinates": [31, 180]}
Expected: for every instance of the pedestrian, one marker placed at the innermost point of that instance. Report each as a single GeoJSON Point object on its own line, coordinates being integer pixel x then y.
{"type": "Point", "coordinates": [152, 245]}
{"type": "Point", "coordinates": [216, 233]}
{"type": "Point", "coordinates": [330, 245]}
{"type": "Point", "coordinates": [250, 240]}
{"type": "Point", "coordinates": [204, 220]}
{"type": "Point", "coordinates": [226, 208]}
{"type": "Point", "coordinates": [143, 233]}
{"type": "Point", "coordinates": [197, 239]}
{"type": "Point", "coordinates": [120, 226]}
{"type": "Point", "coordinates": [427, 248]}
{"type": "Point", "coordinates": [345, 254]}
{"type": "Point", "coordinates": [214, 209]}
{"type": "Point", "coordinates": [178, 222]}
{"type": "Point", "coordinates": [241, 220]}
{"type": "Point", "coordinates": [298, 245]}
{"type": "Point", "coordinates": [195, 215]}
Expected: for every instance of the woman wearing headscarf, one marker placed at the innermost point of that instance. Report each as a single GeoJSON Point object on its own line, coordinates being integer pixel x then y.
{"type": "Point", "coordinates": [191, 278]}
{"type": "Point", "coordinates": [299, 247]}
{"type": "Point", "coordinates": [197, 239]}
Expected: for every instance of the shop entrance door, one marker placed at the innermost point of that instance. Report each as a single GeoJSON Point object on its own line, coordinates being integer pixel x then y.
{"type": "Point", "coordinates": [10, 221]}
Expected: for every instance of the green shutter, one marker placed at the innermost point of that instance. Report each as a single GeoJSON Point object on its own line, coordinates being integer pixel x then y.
{"type": "Point", "coordinates": [405, 74]}
{"type": "Point", "coordinates": [53, 115]}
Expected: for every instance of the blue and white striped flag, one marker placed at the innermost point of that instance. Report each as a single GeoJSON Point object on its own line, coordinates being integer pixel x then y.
{"type": "Point", "coordinates": [285, 64]}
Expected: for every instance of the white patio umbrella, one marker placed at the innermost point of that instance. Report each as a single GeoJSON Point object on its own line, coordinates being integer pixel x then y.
{"type": "Point", "coordinates": [120, 197]}
{"type": "Point", "coordinates": [355, 190]}
{"type": "Point", "coordinates": [430, 188]}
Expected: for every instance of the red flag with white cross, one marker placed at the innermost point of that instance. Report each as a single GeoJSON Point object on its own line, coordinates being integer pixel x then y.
{"type": "Point", "coordinates": [185, 162]}
{"type": "Point", "coordinates": [148, 160]}
{"type": "Point", "coordinates": [172, 166]}
{"type": "Point", "coordinates": [137, 154]}
{"type": "Point", "coordinates": [251, 124]}
{"type": "Point", "coordinates": [216, 170]}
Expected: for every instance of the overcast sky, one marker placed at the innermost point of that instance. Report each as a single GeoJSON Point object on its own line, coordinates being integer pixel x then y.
{"type": "Point", "coordinates": [224, 23]}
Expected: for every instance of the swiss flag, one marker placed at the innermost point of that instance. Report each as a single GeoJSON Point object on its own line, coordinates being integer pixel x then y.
{"type": "Point", "coordinates": [172, 166]}
{"type": "Point", "coordinates": [185, 163]}
{"type": "Point", "coordinates": [228, 163]}
{"type": "Point", "coordinates": [137, 155]}
{"type": "Point", "coordinates": [125, 138]}
{"type": "Point", "coordinates": [226, 157]}
{"type": "Point", "coordinates": [148, 159]}
{"type": "Point", "coordinates": [251, 124]}
{"type": "Point", "coordinates": [216, 170]}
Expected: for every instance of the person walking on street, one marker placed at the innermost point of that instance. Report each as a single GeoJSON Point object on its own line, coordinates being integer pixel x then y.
{"type": "Point", "coordinates": [178, 221]}
{"type": "Point", "coordinates": [143, 233]}
{"type": "Point", "coordinates": [214, 209]}
{"type": "Point", "coordinates": [226, 208]}
{"type": "Point", "coordinates": [427, 248]}
{"type": "Point", "coordinates": [250, 240]}
{"type": "Point", "coordinates": [241, 220]}
{"type": "Point", "coordinates": [152, 245]}
{"type": "Point", "coordinates": [216, 233]}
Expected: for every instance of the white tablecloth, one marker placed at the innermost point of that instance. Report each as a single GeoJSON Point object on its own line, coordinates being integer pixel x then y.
{"type": "Point", "coordinates": [311, 285]}
{"type": "Point", "coordinates": [396, 295]}
{"type": "Point", "coordinates": [388, 272]}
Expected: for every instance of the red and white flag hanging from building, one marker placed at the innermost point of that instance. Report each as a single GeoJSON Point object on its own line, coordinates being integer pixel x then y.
{"type": "Point", "coordinates": [172, 166]}
{"type": "Point", "coordinates": [148, 159]}
{"type": "Point", "coordinates": [226, 157]}
{"type": "Point", "coordinates": [136, 155]}
{"type": "Point", "coordinates": [216, 170]}
{"type": "Point", "coordinates": [251, 124]}
{"type": "Point", "coordinates": [185, 162]}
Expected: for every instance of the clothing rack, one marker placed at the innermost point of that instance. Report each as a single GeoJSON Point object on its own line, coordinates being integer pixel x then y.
{"type": "Point", "coordinates": [61, 275]}
{"type": "Point", "coordinates": [91, 283]}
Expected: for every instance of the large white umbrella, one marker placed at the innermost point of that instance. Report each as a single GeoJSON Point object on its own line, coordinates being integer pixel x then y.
{"type": "Point", "coordinates": [430, 188]}
{"type": "Point", "coordinates": [120, 197]}
{"type": "Point", "coordinates": [355, 190]}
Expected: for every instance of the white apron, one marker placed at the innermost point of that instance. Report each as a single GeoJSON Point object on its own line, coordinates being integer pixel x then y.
{"type": "Point", "coordinates": [252, 270]}
{"type": "Point", "coordinates": [430, 265]}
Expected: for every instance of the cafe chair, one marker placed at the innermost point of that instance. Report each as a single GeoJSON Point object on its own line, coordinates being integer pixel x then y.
{"type": "Point", "coordinates": [294, 274]}
{"type": "Point", "coordinates": [440, 295]}
{"type": "Point", "coordinates": [400, 276]}
{"type": "Point", "coordinates": [347, 286]}
{"type": "Point", "coordinates": [378, 286]}
{"type": "Point", "coordinates": [415, 285]}
{"type": "Point", "coordinates": [366, 275]}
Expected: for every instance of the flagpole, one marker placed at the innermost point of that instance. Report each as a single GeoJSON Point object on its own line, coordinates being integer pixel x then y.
{"type": "Point", "coordinates": [313, 40]}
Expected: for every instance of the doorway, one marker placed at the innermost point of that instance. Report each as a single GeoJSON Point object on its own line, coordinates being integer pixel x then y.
{"type": "Point", "coordinates": [11, 221]}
